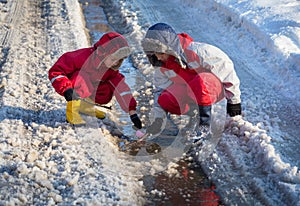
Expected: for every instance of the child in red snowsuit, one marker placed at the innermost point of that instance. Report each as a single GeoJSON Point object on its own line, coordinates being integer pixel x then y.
{"type": "Point", "coordinates": [90, 75]}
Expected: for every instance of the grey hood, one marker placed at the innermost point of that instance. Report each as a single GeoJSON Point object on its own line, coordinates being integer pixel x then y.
{"type": "Point", "coordinates": [162, 38]}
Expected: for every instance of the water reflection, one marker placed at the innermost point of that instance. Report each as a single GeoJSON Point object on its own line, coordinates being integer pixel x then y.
{"type": "Point", "coordinates": [188, 187]}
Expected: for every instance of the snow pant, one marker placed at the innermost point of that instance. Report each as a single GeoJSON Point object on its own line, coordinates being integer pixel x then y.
{"type": "Point", "coordinates": [204, 90]}
{"type": "Point", "coordinates": [175, 99]}
{"type": "Point", "coordinates": [100, 92]}
{"type": "Point", "coordinates": [103, 94]}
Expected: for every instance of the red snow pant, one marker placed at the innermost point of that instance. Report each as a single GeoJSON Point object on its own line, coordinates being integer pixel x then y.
{"type": "Point", "coordinates": [104, 93]}
{"type": "Point", "coordinates": [205, 89]}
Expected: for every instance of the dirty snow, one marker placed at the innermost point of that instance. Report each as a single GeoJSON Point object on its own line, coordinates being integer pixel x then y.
{"type": "Point", "coordinates": [44, 161]}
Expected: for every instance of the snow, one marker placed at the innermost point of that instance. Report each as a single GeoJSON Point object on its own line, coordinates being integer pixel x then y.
{"type": "Point", "coordinates": [44, 161]}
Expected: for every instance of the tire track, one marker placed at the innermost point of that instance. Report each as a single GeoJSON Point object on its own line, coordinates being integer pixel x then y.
{"type": "Point", "coordinates": [8, 30]}
{"type": "Point", "coordinates": [9, 39]}
{"type": "Point", "coordinates": [11, 21]}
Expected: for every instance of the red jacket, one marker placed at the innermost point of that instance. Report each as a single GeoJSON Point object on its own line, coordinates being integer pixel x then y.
{"type": "Point", "coordinates": [84, 70]}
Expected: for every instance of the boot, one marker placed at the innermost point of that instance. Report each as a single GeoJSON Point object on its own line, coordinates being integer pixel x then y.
{"type": "Point", "coordinates": [205, 115]}
{"type": "Point", "coordinates": [199, 122]}
{"type": "Point", "coordinates": [72, 113]}
{"type": "Point", "coordinates": [193, 115]}
{"type": "Point", "coordinates": [90, 109]}
{"type": "Point", "coordinates": [203, 127]}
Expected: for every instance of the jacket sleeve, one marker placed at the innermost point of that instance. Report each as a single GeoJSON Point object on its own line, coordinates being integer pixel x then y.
{"type": "Point", "coordinates": [67, 73]}
{"type": "Point", "coordinates": [59, 74]}
{"type": "Point", "coordinates": [215, 60]}
{"type": "Point", "coordinates": [231, 85]}
{"type": "Point", "coordinates": [122, 92]}
{"type": "Point", "coordinates": [161, 79]}
{"type": "Point", "coordinates": [82, 84]}
{"type": "Point", "coordinates": [176, 73]}
{"type": "Point", "coordinates": [223, 68]}
{"type": "Point", "coordinates": [161, 82]}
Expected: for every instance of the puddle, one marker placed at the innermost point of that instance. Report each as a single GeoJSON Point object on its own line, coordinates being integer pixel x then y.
{"type": "Point", "coordinates": [191, 186]}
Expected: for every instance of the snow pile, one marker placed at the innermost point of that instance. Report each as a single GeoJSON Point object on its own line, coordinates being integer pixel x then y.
{"type": "Point", "coordinates": [256, 161]}
{"type": "Point", "coordinates": [275, 24]}
{"type": "Point", "coordinates": [43, 160]}
{"type": "Point", "coordinates": [275, 28]}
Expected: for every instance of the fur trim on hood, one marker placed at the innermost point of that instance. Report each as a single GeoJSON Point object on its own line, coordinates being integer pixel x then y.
{"type": "Point", "coordinates": [162, 38]}
{"type": "Point", "coordinates": [111, 44]}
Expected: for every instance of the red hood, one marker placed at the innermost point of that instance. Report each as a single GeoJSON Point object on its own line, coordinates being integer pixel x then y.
{"type": "Point", "coordinates": [185, 40]}
{"type": "Point", "coordinates": [106, 38]}
{"type": "Point", "coordinates": [111, 43]}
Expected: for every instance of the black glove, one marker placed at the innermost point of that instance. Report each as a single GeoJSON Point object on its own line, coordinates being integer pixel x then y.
{"type": "Point", "coordinates": [136, 121]}
{"type": "Point", "coordinates": [234, 109]}
{"type": "Point", "coordinates": [70, 95]}
{"type": "Point", "coordinates": [155, 127]}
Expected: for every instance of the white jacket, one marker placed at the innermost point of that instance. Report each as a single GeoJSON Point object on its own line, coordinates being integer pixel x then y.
{"type": "Point", "coordinates": [161, 38]}
{"type": "Point", "coordinates": [215, 60]}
